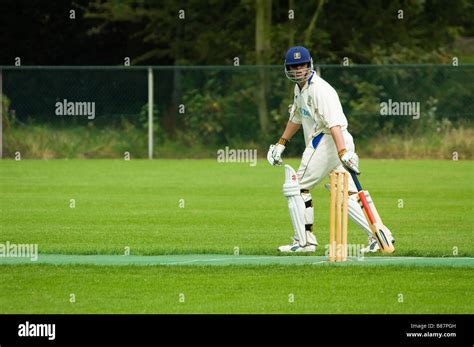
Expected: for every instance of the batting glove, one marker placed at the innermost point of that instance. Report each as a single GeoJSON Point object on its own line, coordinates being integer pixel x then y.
{"type": "Point", "coordinates": [350, 161]}
{"type": "Point", "coordinates": [275, 152]}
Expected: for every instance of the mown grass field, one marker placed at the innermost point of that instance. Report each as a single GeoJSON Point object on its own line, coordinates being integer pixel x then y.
{"type": "Point", "coordinates": [201, 206]}
{"type": "Point", "coordinates": [234, 289]}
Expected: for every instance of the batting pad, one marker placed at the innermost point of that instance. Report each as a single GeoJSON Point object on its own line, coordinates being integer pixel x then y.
{"type": "Point", "coordinates": [296, 205]}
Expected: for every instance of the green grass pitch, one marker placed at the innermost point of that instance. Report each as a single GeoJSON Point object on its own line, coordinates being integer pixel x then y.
{"type": "Point", "coordinates": [201, 206]}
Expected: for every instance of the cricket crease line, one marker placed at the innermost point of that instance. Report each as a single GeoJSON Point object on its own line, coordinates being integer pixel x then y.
{"type": "Point", "coordinates": [225, 259]}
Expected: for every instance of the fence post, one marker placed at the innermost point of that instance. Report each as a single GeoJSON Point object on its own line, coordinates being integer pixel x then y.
{"type": "Point", "coordinates": [150, 113]}
{"type": "Point", "coordinates": [1, 114]}
{"type": "Point", "coordinates": [318, 70]}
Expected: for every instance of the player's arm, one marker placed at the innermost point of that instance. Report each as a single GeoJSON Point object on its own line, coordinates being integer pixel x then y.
{"type": "Point", "coordinates": [275, 151]}
{"type": "Point", "coordinates": [293, 125]}
{"type": "Point", "coordinates": [350, 160]}
{"type": "Point", "coordinates": [336, 134]}
{"type": "Point", "coordinates": [290, 130]}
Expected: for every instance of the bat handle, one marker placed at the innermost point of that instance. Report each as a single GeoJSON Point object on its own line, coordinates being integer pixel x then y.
{"type": "Point", "coordinates": [356, 180]}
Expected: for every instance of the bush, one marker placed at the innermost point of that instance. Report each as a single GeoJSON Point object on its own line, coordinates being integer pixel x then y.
{"type": "Point", "coordinates": [43, 142]}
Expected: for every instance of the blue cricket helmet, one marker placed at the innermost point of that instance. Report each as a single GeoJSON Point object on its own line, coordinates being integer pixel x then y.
{"type": "Point", "coordinates": [296, 56]}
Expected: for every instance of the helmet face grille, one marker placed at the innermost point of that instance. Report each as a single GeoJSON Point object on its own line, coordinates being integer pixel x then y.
{"type": "Point", "coordinates": [297, 76]}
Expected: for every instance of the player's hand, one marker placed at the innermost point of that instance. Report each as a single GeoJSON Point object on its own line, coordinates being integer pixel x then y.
{"type": "Point", "coordinates": [274, 154]}
{"type": "Point", "coordinates": [350, 161]}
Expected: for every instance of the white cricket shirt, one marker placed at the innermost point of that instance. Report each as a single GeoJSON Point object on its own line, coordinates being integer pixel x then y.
{"type": "Point", "coordinates": [317, 108]}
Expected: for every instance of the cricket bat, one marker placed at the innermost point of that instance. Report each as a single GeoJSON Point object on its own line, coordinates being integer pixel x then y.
{"type": "Point", "coordinates": [379, 230]}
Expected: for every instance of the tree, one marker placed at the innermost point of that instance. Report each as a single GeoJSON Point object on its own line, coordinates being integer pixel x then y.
{"type": "Point", "coordinates": [262, 49]}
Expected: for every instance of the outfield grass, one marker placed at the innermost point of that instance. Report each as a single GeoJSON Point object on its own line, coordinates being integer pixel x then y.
{"type": "Point", "coordinates": [137, 204]}
{"type": "Point", "coordinates": [235, 289]}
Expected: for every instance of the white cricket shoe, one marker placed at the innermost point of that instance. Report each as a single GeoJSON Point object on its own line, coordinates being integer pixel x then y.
{"type": "Point", "coordinates": [373, 246]}
{"type": "Point", "coordinates": [296, 248]}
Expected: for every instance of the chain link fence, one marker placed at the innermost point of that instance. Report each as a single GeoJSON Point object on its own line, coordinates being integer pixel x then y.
{"type": "Point", "coordinates": [103, 112]}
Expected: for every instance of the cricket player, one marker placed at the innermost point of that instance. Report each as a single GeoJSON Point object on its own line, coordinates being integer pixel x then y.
{"type": "Point", "coordinates": [329, 146]}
